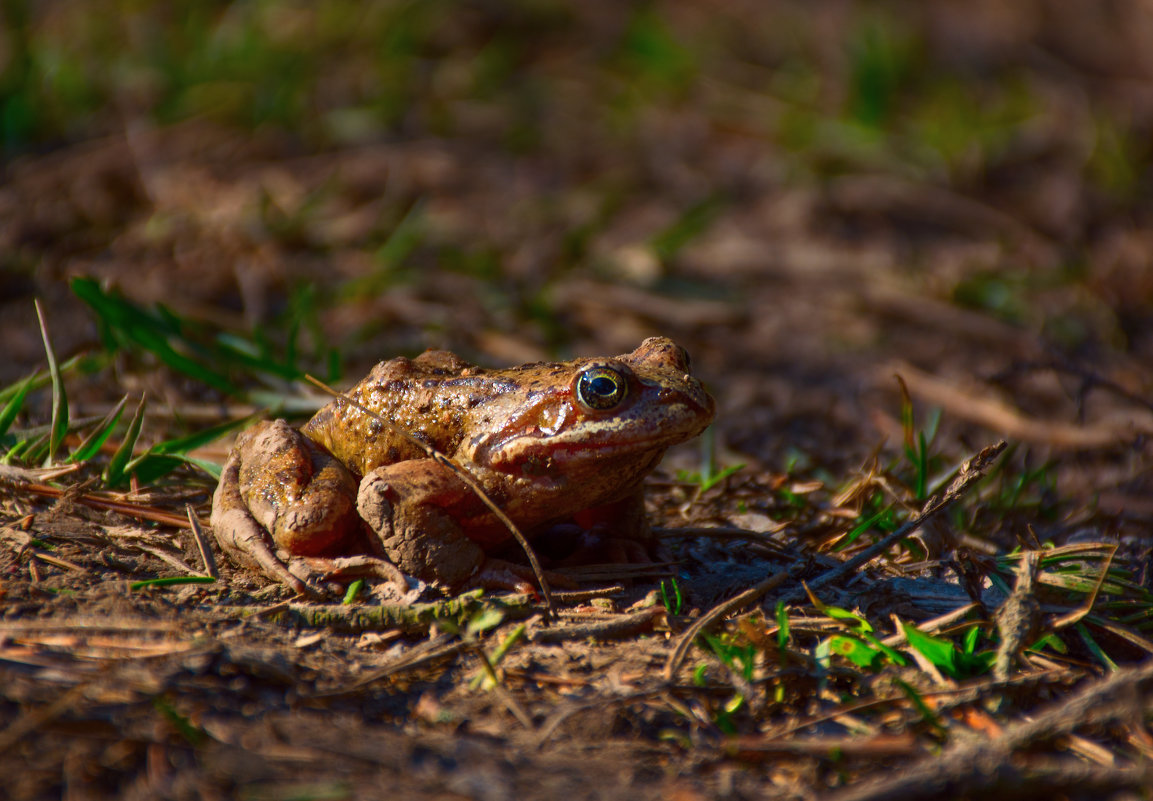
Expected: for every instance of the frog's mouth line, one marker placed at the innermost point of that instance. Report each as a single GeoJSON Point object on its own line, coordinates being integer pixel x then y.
{"type": "Point", "coordinates": [526, 446]}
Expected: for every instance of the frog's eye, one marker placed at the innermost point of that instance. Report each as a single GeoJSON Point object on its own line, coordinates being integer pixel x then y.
{"type": "Point", "coordinates": [601, 388]}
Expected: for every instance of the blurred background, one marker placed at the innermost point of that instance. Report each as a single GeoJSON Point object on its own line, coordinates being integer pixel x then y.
{"type": "Point", "coordinates": [809, 194]}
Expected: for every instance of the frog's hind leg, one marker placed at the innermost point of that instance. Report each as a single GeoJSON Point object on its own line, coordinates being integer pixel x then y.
{"type": "Point", "coordinates": [278, 482]}
{"type": "Point", "coordinates": [240, 536]}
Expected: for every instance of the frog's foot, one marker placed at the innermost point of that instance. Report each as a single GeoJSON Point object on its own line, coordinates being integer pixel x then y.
{"type": "Point", "coordinates": [281, 495]}
{"type": "Point", "coordinates": [242, 538]}
{"type": "Point", "coordinates": [346, 569]}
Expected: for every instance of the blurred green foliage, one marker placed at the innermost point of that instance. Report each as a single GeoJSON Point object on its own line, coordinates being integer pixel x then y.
{"type": "Point", "coordinates": [625, 101]}
{"type": "Point", "coordinates": [343, 72]}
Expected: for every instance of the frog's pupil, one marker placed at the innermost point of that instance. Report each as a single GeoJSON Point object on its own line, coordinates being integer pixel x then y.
{"type": "Point", "coordinates": [603, 386]}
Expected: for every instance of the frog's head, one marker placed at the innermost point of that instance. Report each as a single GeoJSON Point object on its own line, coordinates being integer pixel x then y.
{"type": "Point", "coordinates": [604, 413]}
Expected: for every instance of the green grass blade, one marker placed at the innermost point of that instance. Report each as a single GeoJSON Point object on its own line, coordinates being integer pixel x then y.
{"type": "Point", "coordinates": [59, 397]}
{"type": "Point", "coordinates": [41, 378]}
{"type": "Point", "coordinates": [837, 613]}
{"type": "Point", "coordinates": [114, 472]}
{"type": "Point", "coordinates": [164, 457]}
{"type": "Point", "coordinates": [94, 441]}
{"type": "Point", "coordinates": [37, 450]}
{"type": "Point", "coordinates": [13, 406]}
{"type": "Point", "coordinates": [173, 581]}
{"type": "Point", "coordinates": [861, 528]}
{"type": "Point", "coordinates": [941, 653]}
{"type": "Point", "coordinates": [25, 450]}
{"type": "Point", "coordinates": [149, 466]}
{"type": "Point", "coordinates": [854, 650]}
{"type": "Point", "coordinates": [128, 324]}
{"type": "Point", "coordinates": [182, 445]}
{"type": "Point", "coordinates": [782, 626]}
{"type": "Point", "coordinates": [926, 712]}
{"type": "Point", "coordinates": [211, 468]}
{"type": "Point", "coordinates": [1095, 649]}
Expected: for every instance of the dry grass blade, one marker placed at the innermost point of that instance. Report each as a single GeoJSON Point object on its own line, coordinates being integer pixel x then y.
{"type": "Point", "coordinates": [104, 501]}
{"type": "Point", "coordinates": [49, 559]}
{"type": "Point", "coordinates": [425, 654]}
{"type": "Point", "coordinates": [168, 558]}
{"type": "Point", "coordinates": [464, 476]}
{"type": "Point", "coordinates": [59, 425]}
{"type": "Point", "coordinates": [501, 691]}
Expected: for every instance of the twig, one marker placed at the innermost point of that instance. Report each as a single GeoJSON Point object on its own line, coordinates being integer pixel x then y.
{"type": "Point", "coordinates": [971, 472]}
{"type": "Point", "coordinates": [1089, 379]}
{"type": "Point", "coordinates": [581, 596]}
{"type": "Point", "coordinates": [206, 555]}
{"type": "Point", "coordinates": [615, 628]}
{"type": "Point", "coordinates": [412, 619]}
{"type": "Point", "coordinates": [878, 746]}
{"type": "Point", "coordinates": [465, 476]}
{"type": "Point", "coordinates": [1019, 618]}
{"type": "Point", "coordinates": [36, 718]}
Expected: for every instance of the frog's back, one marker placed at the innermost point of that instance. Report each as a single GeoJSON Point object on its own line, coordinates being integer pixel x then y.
{"type": "Point", "coordinates": [428, 396]}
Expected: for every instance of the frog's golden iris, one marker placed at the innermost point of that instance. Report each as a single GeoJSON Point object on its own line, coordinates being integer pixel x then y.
{"type": "Point", "coordinates": [601, 388]}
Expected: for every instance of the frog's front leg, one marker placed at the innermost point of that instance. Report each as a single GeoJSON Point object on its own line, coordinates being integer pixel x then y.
{"type": "Point", "coordinates": [415, 508]}
{"type": "Point", "coordinates": [281, 496]}
{"type": "Point", "coordinates": [434, 527]}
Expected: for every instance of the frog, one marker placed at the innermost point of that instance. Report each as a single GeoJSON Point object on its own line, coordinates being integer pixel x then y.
{"type": "Point", "coordinates": [553, 444]}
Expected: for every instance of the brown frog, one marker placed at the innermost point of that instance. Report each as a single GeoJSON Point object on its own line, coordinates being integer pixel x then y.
{"type": "Point", "coordinates": [550, 443]}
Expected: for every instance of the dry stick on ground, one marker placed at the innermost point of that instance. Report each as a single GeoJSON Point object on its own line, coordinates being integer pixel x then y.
{"type": "Point", "coordinates": [970, 472]}
{"type": "Point", "coordinates": [201, 542]}
{"type": "Point", "coordinates": [411, 618]}
{"type": "Point", "coordinates": [1019, 618]}
{"type": "Point", "coordinates": [987, 765]}
{"type": "Point", "coordinates": [1089, 379]}
{"type": "Point", "coordinates": [617, 627]}
{"type": "Point", "coordinates": [465, 476]}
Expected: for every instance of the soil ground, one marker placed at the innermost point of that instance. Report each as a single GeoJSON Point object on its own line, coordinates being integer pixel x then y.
{"type": "Point", "coordinates": [812, 198]}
